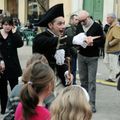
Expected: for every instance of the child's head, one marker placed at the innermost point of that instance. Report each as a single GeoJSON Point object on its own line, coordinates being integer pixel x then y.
{"type": "Point", "coordinates": [41, 83]}
{"type": "Point", "coordinates": [37, 56]}
{"type": "Point", "coordinates": [33, 58]}
{"type": "Point", "coordinates": [71, 104]}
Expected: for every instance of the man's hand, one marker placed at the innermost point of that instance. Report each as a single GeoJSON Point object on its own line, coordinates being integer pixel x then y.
{"type": "Point", "coordinates": [2, 66]}
{"type": "Point", "coordinates": [89, 41]}
{"type": "Point", "coordinates": [68, 78]}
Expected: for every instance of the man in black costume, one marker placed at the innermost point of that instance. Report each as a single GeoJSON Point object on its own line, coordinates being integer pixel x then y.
{"type": "Point", "coordinates": [53, 44]}
{"type": "Point", "coordinates": [49, 43]}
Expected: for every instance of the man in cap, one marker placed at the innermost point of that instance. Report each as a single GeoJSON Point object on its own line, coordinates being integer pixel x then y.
{"type": "Point", "coordinates": [112, 47]}
{"type": "Point", "coordinates": [88, 57]}
{"type": "Point", "coordinates": [52, 42]}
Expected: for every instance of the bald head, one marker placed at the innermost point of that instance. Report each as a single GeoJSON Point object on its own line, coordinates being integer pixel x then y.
{"type": "Point", "coordinates": [83, 15]}
{"type": "Point", "coordinates": [84, 18]}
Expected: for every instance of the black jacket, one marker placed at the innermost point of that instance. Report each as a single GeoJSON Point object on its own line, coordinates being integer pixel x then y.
{"type": "Point", "coordinates": [118, 84]}
{"type": "Point", "coordinates": [94, 30]}
{"type": "Point", "coordinates": [45, 43]}
{"type": "Point", "coordinates": [8, 48]}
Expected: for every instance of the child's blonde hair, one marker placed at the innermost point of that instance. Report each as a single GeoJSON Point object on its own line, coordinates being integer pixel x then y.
{"type": "Point", "coordinates": [71, 104]}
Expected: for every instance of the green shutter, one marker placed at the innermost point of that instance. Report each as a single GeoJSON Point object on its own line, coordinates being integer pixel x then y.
{"type": "Point", "coordinates": [95, 8]}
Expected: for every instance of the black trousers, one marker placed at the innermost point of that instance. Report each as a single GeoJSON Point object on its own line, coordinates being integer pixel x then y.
{"type": "Point", "coordinates": [118, 83]}
{"type": "Point", "coordinates": [4, 91]}
{"type": "Point", "coordinates": [60, 73]}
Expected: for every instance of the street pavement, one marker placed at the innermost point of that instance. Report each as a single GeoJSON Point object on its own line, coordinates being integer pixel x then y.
{"type": "Point", "coordinates": [107, 96]}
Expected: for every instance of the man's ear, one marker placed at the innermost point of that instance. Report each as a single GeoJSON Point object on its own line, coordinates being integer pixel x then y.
{"type": "Point", "coordinates": [50, 25]}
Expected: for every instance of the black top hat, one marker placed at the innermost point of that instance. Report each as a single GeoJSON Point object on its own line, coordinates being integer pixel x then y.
{"type": "Point", "coordinates": [51, 14]}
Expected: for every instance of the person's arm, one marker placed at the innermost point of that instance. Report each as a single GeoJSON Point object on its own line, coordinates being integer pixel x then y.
{"type": "Point", "coordinates": [18, 42]}
{"type": "Point", "coordinates": [100, 41]}
{"type": "Point", "coordinates": [43, 43]}
{"type": "Point", "coordinates": [1, 58]}
{"type": "Point", "coordinates": [16, 37]}
{"type": "Point", "coordinates": [2, 64]}
{"type": "Point", "coordinates": [12, 103]}
{"type": "Point", "coordinates": [116, 36]}
{"type": "Point", "coordinates": [9, 114]}
{"type": "Point", "coordinates": [11, 107]}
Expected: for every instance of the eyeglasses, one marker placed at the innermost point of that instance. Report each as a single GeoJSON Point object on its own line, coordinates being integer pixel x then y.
{"type": "Point", "coordinates": [84, 20]}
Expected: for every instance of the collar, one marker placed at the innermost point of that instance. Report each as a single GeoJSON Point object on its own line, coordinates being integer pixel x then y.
{"type": "Point", "coordinates": [86, 28]}
{"type": "Point", "coordinates": [115, 23]}
{"type": "Point", "coordinates": [51, 32]}
{"type": "Point", "coordinates": [89, 24]}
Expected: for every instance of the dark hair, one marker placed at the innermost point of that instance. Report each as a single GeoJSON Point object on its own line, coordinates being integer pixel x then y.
{"type": "Point", "coordinates": [41, 75]}
{"type": "Point", "coordinates": [8, 20]}
{"type": "Point", "coordinates": [72, 16]}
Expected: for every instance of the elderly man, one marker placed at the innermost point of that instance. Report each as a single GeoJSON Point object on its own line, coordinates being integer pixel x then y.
{"type": "Point", "coordinates": [88, 57]}
{"type": "Point", "coordinates": [112, 47]}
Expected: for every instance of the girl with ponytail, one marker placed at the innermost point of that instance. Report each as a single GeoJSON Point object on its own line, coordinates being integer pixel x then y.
{"type": "Point", "coordinates": [14, 97]}
{"type": "Point", "coordinates": [39, 87]}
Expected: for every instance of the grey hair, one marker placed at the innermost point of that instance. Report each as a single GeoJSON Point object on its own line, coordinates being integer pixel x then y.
{"type": "Point", "coordinates": [111, 15]}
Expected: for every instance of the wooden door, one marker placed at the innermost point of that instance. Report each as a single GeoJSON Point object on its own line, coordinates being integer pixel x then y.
{"type": "Point", "coordinates": [12, 7]}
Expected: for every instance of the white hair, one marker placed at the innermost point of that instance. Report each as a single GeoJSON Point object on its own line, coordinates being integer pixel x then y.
{"type": "Point", "coordinates": [111, 15]}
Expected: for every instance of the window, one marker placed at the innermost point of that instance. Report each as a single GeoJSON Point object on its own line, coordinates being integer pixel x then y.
{"type": "Point", "coordinates": [33, 11]}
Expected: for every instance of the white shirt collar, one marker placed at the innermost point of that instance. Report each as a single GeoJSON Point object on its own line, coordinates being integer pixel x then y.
{"type": "Point", "coordinates": [51, 32]}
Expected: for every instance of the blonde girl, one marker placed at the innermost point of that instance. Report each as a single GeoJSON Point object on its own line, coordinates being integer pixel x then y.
{"type": "Point", "coordinates": [71, 104]}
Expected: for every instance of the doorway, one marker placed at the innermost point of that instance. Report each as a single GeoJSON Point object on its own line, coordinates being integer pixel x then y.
{"type": "Point", "coordinates": [12, 7]}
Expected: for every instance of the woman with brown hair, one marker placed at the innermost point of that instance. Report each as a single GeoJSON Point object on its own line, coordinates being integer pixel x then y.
{"type": "Point", "coordinates": [39, 87]}
{"type": "Point", "coordinates": [14, 97]}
